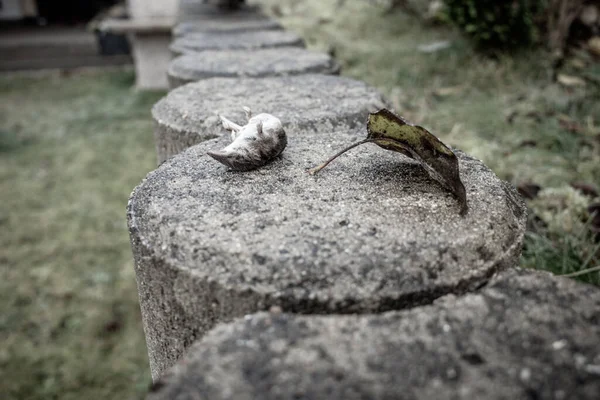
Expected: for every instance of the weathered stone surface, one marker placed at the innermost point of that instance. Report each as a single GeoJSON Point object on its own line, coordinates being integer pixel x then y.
{"type": "Point", "coordinates": [248, 63]}
{"type": "Point", "coordinates": [369, 234]}
{"type": "Point", "coordinates": [307, 103]}
{"type": "Point", "coordinates": [226, 24]}
{"type": "Point", "coordinates": [198, 17]}
{"type": "Point", "coordinates": [527, 335]}
{"type": "Point", "coordinates": [252, 40]}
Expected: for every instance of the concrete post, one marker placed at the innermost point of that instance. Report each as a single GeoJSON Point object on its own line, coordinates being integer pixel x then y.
{"type": "Point", "coordinates": [370, 234]}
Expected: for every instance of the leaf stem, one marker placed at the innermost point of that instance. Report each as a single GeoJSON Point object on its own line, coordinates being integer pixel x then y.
{"type": "Point", "coordinates": [318, 168]}
{"type": "Point", "coordinates": [583, 272]}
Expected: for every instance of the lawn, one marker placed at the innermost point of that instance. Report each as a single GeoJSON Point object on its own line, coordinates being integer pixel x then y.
{"type": "Point", "coordinates": [73, 146]}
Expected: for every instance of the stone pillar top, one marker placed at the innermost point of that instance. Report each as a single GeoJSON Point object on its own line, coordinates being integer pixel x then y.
{"type": "Point", "coordinates": [307, 103]}
{"type": "Point", "coordinates": [525, 335]}
{"type": "Point", "coordinates": [372, 232]}
{"type": "Point", "coordinates": [250, 64]}
{"type": "Point", "coordinates": [197, 42]}
{"type": "Point", "coordinates": [226, 24]}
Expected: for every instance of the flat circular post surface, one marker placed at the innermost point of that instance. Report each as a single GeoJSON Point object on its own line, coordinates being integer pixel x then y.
{"type": "Point", "coordinates": [372, 232]}
{"type": "Point", "coordinates": [526, 335]}
{"type": "Point", "coordinates": [226, 24]}
{"type": "Point", "coordinates": [197, 42]}
{"type": "Point", "coordinates": [307, 103]}
{"type": "Point", "coordinates": [248, 63]}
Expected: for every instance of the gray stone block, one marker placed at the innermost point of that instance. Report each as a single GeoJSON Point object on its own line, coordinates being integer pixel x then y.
{"type": "Point", "coordinates": [371, 233]}
{"type": "Point", "coordinates": [226, 24]}
{"type": "Point", "coordinates": [248, 63]}
{"type": "Point", "coordinates": [252, 40]}
{"type": "Point", "coordinates": [526, 335]}
{"type": "Point", "coordinates": [307, 103]}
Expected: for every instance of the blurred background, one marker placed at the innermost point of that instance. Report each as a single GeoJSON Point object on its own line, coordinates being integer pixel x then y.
{"type": "Point", "coordinates": [514, 83]}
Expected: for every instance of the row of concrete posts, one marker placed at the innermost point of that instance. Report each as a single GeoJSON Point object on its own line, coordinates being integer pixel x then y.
{"type": "Point", "coordinates": [363, 282]}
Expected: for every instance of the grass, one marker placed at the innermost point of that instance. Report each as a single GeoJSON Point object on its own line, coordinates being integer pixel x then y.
{"type": "Point", "coordinates": [72, 147]}
{"type": "Point", "coordinates": [71, 150]}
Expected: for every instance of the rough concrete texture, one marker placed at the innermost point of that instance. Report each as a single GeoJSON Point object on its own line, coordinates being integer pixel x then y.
{"type": "Point", "coordinates": [226, 24]}
{"type": "Point", "coordinates": [198, 42]}
{"type": "Point", "coordinates": [527, 335]}
{"type": "Point", "coordinates": [308, 103]}
{"type": "Point", "coordinates": [372, 232]}
{"type": "Point", "coordinates": [248, 63]}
